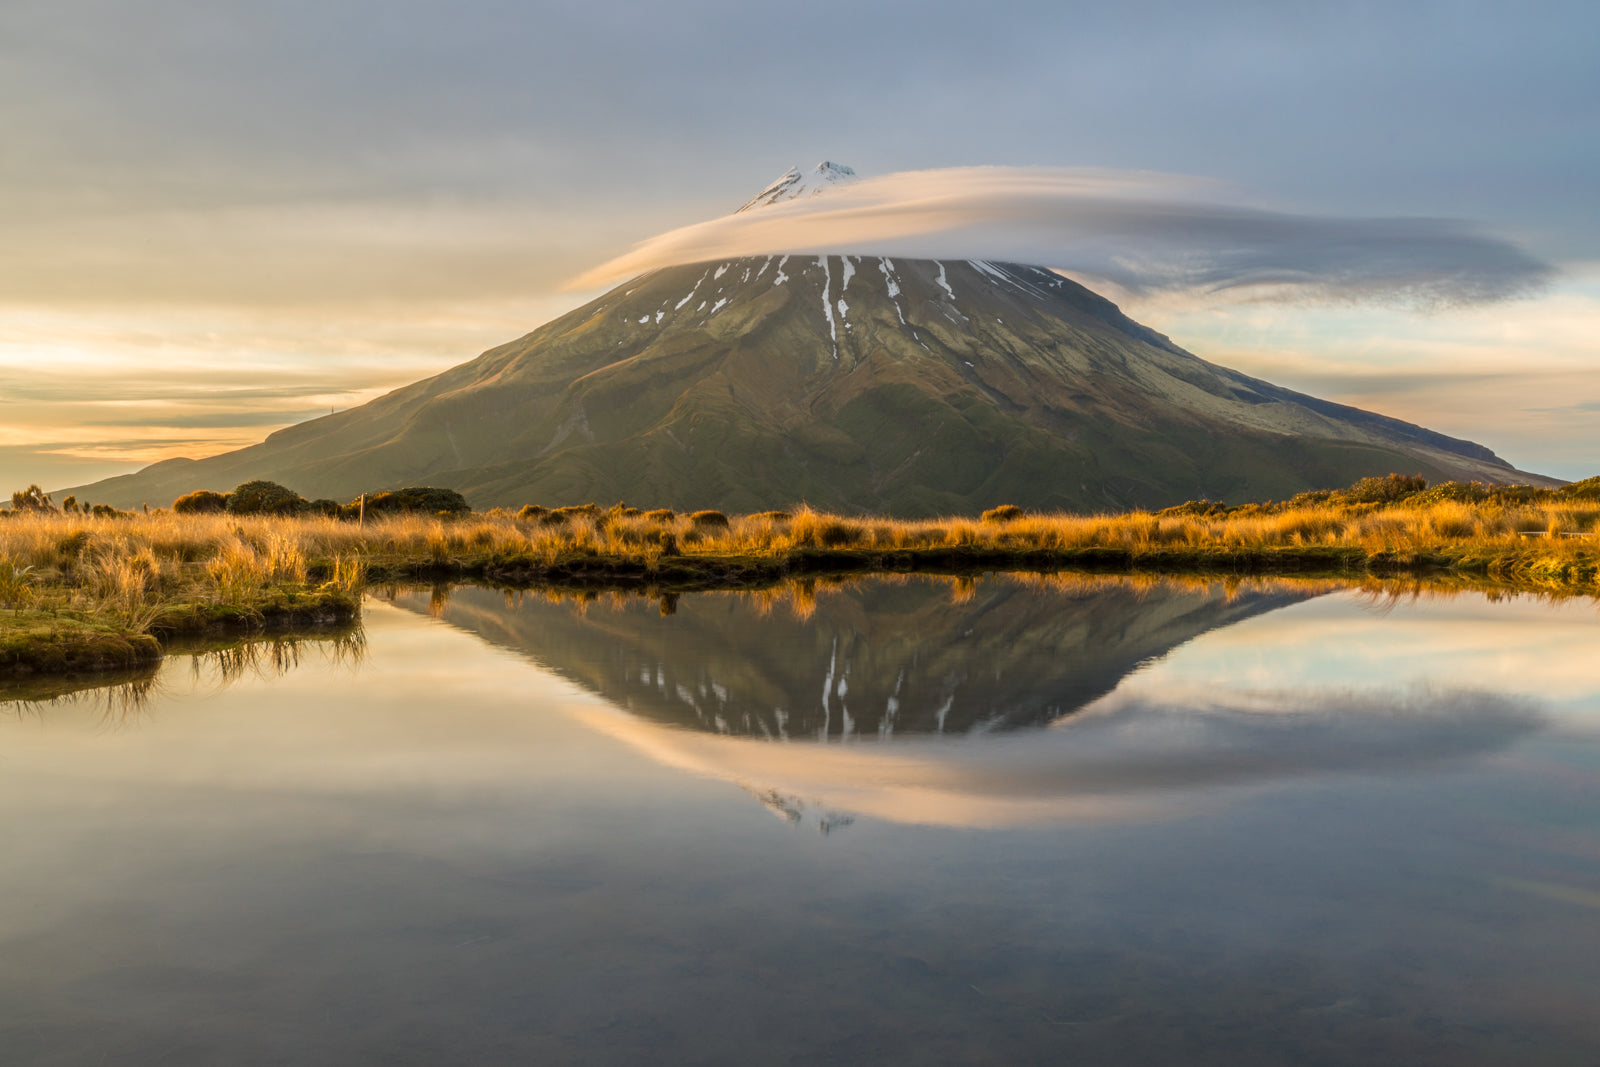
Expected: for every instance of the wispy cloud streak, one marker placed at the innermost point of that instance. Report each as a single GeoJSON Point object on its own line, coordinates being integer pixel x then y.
{"type": "Point", "coordinates": [1143, 233]}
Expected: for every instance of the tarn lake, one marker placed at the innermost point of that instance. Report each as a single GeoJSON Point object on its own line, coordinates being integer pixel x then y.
{"type": "Point", "coordinates": [903, 820]}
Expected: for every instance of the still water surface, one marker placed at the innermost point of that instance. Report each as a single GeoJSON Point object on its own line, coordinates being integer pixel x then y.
{"type": "Point", "coordinates": [1003, 821]}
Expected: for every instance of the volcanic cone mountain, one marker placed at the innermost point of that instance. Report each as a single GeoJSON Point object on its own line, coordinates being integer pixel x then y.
{"type": "Point", "coordinates": [853, 383]}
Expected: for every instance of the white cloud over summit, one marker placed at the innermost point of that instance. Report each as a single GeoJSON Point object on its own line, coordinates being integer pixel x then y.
{"type": "Point", "coordinates": [1140, 232]}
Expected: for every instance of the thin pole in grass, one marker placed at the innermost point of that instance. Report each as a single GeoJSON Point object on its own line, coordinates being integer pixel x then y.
{"type": "Point", "coordinates": [362, 523]}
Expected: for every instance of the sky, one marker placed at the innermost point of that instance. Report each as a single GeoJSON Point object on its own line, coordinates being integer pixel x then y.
{"type": "Point", "coordinates": [222, 219]}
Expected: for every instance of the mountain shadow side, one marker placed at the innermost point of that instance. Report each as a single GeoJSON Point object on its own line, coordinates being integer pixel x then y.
{"type": "Point", "coordinates": [876, 658]}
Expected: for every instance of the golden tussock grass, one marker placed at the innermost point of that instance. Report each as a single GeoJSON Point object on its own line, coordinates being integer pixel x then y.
{"type": "Point", "coordinates": [141, 573]}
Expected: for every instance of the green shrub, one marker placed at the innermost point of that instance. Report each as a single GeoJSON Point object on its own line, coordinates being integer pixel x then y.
{"type": "Point", "coordinates": [1203, 508]}
{"type": "Point", "coordinates": [531, 511]}
{"type": "Point", "coordinates": [1461, 492]}
{"type": "Point", "coordinates": [1313, 498]}
{"type": "Point", "coordinates": [1385, 490]}
{"type": "Point", "coordinates": [201, 502]}
{"type": "Point", "coordinates": [264, 498]}
{"type": "Point", "coordinates": [72, 545]}
{"type": "Point", "coordinates": [31, 499]}
{"type": "Point", "coordinates": [1588, 489]}
{"type": "Point", "coordinates": [661, 515]}
{"type": "Point", "coordinates": [417, 499]}
{"type": "Point", "coordinates": [708, 518]}
{"type": "Point", "coordinates": [1003, 513]}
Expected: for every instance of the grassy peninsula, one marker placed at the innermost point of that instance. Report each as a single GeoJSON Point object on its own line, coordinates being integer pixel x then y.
{"type": "Point", "coordinates": [87, 591]}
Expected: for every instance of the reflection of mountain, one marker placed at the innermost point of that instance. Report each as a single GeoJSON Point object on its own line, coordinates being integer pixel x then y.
{"type": "Point", "coordinates": [877, 657]}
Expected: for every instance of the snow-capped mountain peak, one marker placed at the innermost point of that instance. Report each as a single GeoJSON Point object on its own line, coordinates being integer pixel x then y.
{"type": "Point", "coordinates": [793, 184]}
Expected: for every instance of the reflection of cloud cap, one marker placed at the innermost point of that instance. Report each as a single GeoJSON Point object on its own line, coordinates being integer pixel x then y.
{"type": "Point", "coordinates": [1142, 232]}
{"type": "Point", "coordinates": [1122, 758]}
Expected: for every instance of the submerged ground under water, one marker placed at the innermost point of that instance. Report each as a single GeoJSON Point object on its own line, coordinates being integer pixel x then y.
{"type": "Point", "coordinates": [1003, 821]}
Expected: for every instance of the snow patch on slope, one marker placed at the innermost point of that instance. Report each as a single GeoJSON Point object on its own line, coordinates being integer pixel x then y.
{"type": "Point", "coordinates": [827, 305]}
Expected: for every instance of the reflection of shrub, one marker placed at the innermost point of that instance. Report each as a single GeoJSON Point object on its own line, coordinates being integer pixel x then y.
{"type": "Point", "coordinates": [264, 498]}
{"type": "Point", "coordinates": [201, 502]}
{"type": "Point", "coordinates": [1003, 513]}
{"type": "Point", "coordinates": [708, 519]}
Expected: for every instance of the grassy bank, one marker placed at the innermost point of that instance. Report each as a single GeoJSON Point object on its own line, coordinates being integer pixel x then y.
{"type": "Point", "coordinates": [83, 592]}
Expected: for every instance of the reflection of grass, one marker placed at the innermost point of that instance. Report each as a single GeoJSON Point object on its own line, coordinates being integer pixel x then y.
{"type": "Point", "coordinates": [214, 661]}
{"type": "Point", "coordinates": [78, 591]}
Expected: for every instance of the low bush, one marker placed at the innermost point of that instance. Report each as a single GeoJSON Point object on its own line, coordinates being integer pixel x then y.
{"type": "Point", "coordinates": [1003, 513]}
{"type": "Point", "coordinates": [265, 498]}
{"type": "Point", "coordinates": [201, 502]}
{"type": "Point", "coordinates": [416, 500]}
{"type": "Point", "coordinates": [1198, 508]}
{"type": "Point", "coordinates": [1385, 490]}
